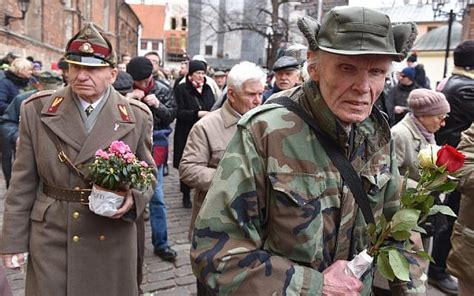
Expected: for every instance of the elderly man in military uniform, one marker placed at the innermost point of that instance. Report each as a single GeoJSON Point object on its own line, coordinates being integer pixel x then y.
{"type": "Point", "coordinates": [73, 251]}
{"type": "Point", "coordinates": [278, 218]}
{"type": "Point", "coordinates": [287, 75]}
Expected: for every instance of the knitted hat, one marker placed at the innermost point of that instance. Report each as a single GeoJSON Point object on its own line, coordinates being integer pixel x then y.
{"type": "Point", "coordinates": [124, 82]}
{"type": "Point", "coordinates": [409, 72]}
{"type": "Point", "coordinates": [426, 102]}
{"type": "Point", "coordinates": [464, 54]}
{"type": "Point", "coordinates": [196, 65]}
{"type": "Point", "coordinates": [140, 68]}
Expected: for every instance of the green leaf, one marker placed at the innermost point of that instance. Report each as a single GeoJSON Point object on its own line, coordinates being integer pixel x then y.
{"type": "Point", "coordinates": [401, 235]}
{"type": "Point", "coordinates": [445, 210]}
{"type": "Point", "coordinates": [419, 229]}
{"type": "Point", "coordinates": [424, 255]}
{"type": "Point", "coordinates": [383, 266]}
{"type": "Point", "coordinates": [371, 233]}
{"type": "Point", "coordinates": [404, 220]}
{"type": "Point", "coordinates": [447, 187]}
{"type": "Point", "coordinates": [399, 265]}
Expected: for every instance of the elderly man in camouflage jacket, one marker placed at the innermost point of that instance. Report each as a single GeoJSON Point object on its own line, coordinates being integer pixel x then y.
{"type": "Point", "coordinates": [278, 219]}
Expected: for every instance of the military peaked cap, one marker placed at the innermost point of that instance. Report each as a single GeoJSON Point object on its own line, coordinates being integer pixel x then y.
{"type": "Point", "coordinates": [90, 48]}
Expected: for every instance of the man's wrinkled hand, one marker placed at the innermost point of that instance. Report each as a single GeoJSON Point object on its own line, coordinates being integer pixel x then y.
{"type": "Point", "coordinates": [339, 282]}
{"type": "Point", "coordinates": [126, 206]}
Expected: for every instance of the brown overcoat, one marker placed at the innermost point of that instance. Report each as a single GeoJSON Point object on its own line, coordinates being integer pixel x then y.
{"type": "Point", "coordinates": [72, 250]}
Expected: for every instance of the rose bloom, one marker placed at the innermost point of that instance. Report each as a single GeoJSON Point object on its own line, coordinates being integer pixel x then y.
{"type": "Point", "coordinates": [451, 158]}
{"type": "Point", "coordinates": [428, 156]}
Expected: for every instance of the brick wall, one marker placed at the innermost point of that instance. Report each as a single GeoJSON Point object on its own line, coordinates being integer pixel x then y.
{"type": "Point", "coordinates": [49, 24]}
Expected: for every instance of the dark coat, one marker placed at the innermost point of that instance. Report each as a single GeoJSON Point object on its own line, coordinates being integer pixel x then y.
{"type": "Point", "coordinates": [189, 102]}
{"type": "Point", "coordinates": [398, 96]}
{"type": "Point", "coordinates": [459, 91]}
{"type": "Point", "coordinates": [10, 87]}
{"type": "Point", "coordinates": [102, 259]}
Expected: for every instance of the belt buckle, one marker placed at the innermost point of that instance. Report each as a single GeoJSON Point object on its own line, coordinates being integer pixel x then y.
{"type": "Point", "coordinates": [84, 200]}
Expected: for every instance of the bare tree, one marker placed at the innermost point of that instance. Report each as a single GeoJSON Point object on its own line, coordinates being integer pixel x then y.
{"type": "Point", "coordinates": [264, 19]}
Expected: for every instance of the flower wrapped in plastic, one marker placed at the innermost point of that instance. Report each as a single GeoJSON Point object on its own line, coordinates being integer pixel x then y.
{"type": "Point", "coordinates": [113, 172]}
{"type": "Point", "coordinates": [390, 240]}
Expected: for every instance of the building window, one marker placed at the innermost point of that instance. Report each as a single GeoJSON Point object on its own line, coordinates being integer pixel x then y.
{"type": "Point", "coordinates": [143, 45]}
{"type": "Point", "coordinates": [173, 23]}
{"type": "Point", "coordinates": [208, 50]}
{"type": "Point", "coordinates": [184, 24]}
{"type": "Point", "coordinates": [154, 45]}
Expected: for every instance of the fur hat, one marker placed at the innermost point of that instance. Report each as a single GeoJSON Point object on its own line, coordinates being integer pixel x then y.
{"type": "Point", "coordinates": [426, 102]}
{"type": "Point", "coordinates": [140, 68]}
{"type": "Point", "coordinates": [196, 65]}
{"type": "Point", "coordinates": [464, 55]}
{"type": "Point", "coordinates": [349, 30]}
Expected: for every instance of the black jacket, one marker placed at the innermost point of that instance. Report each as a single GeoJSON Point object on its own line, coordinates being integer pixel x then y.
{"type": "Point", "coordinates": [164, 115]}
{"type": "Point", "coordinates": [459, 91]}
{"type": "Point", "coordinates": [189, 102]}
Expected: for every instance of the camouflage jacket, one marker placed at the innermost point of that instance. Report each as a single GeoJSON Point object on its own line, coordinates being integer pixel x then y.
{"type": "Point", "coordinates": [277, 213]}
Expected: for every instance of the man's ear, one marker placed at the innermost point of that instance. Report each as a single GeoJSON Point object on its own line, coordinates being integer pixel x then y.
{"type": "Point", "coordinates": [230, 93]}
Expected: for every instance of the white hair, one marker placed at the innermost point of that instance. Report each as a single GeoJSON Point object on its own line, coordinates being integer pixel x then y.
{"type": "Point", "coordinates": [243, 72]}
{"type": "Point", "coordinates": [20, 64]}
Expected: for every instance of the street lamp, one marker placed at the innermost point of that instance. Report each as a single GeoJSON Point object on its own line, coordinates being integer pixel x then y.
{"type": "Point", "coordinates": [437, 7]}
{"type": "Point", "coordinates": [23, 6]}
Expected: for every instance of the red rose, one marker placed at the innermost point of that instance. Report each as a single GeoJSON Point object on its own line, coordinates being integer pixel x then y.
{"type": "Point", "coordinates": [451, 158]}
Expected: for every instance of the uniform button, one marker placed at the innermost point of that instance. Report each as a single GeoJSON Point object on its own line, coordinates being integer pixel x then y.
{"type": "Point", "coordinates": [102, 237]}
{"type": "Point", "coordinates": [75, 215]}
{"type": "Point", "coordinates": [77, 188]}
{"type": "Point", "coordinates": [75, 238]}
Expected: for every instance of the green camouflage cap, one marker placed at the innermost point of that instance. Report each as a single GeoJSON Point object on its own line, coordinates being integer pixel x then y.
{"type": "Point", "coordinates": [358, 31]}
{"type": "Point", "coordinates": [50, 77]}
{"type": "Point", "coordinates": [90, 48]}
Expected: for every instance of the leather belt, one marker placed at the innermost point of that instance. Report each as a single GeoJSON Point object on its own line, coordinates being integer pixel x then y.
{"type": "Point", "coordinates": [77, 194]}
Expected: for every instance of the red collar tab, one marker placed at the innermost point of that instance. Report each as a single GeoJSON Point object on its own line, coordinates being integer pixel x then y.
{"type": "Point", "coordinates": [55, 104]}
{"type": "Point", "coordinates": [123, 112]}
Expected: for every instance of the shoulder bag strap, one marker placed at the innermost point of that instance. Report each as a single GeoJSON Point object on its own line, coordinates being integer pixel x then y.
{"type": "Point", "coordinates": [334, 152]}
{"type": "Point", "coordinates": [61, 154]}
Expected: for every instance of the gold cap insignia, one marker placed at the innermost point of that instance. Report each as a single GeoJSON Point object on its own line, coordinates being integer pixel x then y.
{"type": "Point", "coordinates": [86, 47]}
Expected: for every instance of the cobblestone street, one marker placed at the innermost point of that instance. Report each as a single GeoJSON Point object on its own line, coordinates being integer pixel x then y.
{"type": "Point", "coordinates": [160, 277]}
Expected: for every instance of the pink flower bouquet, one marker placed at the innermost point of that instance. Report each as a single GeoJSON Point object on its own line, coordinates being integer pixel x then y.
{"type": "Point", "coordinates": [113, 172]}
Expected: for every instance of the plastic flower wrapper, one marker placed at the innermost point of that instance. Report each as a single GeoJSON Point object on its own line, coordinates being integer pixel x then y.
{"type": "Point", "coordinates": [113, 173]}
{"type": "Point", "coordinates": [390, 240]}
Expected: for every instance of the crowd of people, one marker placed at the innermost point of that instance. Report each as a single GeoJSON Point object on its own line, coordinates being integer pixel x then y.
{"type": "Point", "coordinates": [271, 209]}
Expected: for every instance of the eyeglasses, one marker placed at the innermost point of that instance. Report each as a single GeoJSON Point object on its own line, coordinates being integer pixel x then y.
{"type": "Point", "coordinates": [442, 117]}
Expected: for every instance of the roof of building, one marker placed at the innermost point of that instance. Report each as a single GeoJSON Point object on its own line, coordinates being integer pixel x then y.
{"type": "Point", "coordinates": [152, 18]}
{"type": "Point", "coordinates": [412, 13]}
{"type": "Point", "coordinates": [436, 39]}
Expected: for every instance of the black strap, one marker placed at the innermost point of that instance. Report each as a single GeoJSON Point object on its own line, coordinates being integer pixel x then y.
{"type": "Point", "coordinates": [337, 157]}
